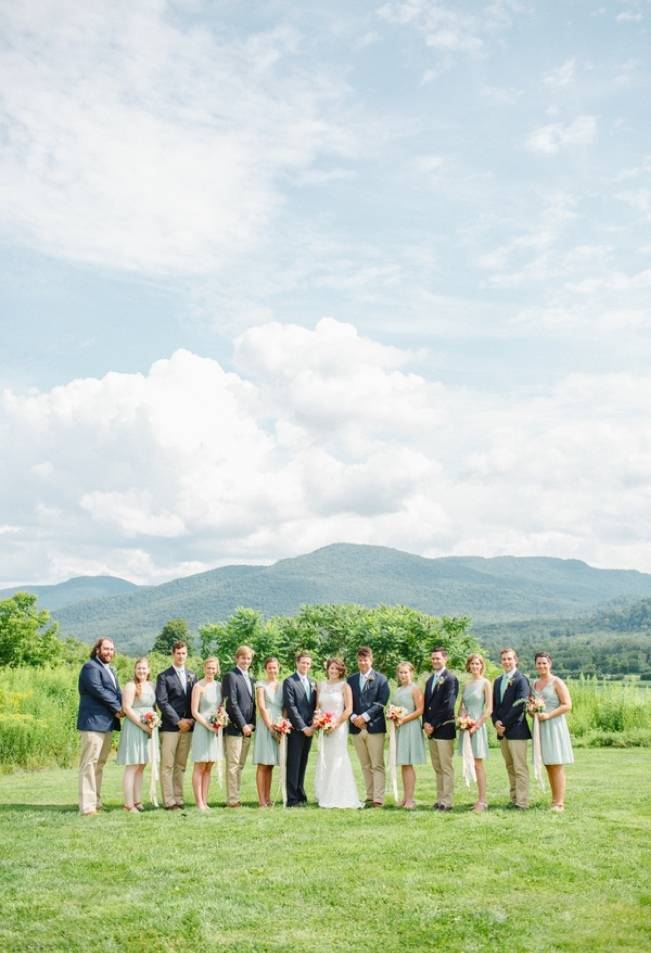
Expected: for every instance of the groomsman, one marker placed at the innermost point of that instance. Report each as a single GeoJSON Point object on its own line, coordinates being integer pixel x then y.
{"type": "Point", "coordinates": [299, 701]}
{"type": "Point", "coordinates": [173, 696]}
{"type": "Point", "coordinates": [510, 696]}
{"type": "Point", "coordinates": [239, 695]}
{"type": "Point", "coordinates": [441, 692]}
{"type": "Point", "coordinates": [100, 708]}
{"type": "Point", "coordinates": [367, 724]}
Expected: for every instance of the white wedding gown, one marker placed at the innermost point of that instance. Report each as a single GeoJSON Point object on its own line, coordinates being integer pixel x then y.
{"type": "Point", "coordinates": [334, 782]}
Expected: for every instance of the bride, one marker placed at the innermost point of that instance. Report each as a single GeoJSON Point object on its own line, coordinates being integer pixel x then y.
{"type": "Point", "coordinates": [334, 782]}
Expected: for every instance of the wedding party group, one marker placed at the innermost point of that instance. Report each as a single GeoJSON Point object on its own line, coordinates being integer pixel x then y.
{"type": "Point", "coordinates": [217, 723]}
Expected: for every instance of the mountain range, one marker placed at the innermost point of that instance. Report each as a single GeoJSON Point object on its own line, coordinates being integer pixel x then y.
{"type": "Point", "coordinates": [505, 588]}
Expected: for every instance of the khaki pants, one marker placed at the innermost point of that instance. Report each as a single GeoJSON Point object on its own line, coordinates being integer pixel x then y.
{"type": "Point", "coordinates": [515, 759]}
{"type": "Point", "coordinates": [174, 750]}
{"type": "Point", "coordinates": [441, 752]}
{"type": "Point", "coordinates": [370, 751]}
{"type": "Point", "coordinates": [237, 748]}
{"type": "Point", "coordinates": [94, 751]}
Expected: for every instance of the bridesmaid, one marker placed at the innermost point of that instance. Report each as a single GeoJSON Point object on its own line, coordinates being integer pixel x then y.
{"type": "Point", "coordinates": [477, 703]}
{"type": "Point", "coordinates": [138, 697]}
{"type": "Point", "coordinates": [410, 747]}
{"type": "Point", "coordinates": [555, 744]}
{"type": "Point", "coordinates": [206, 748]}
{"type": "Point", "coordinates": [266, 747]}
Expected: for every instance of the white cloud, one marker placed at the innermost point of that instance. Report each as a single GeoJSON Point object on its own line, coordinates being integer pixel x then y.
{"type": "Point", "coordinates": [629, 16]}
{"type": "Point", "coordinates": [321, 435]}
{"type": "Point", "coordinates": [562, 76]}
{"type": "Point", "coordinates": [552, 138]}
{"type": "Point", "coordinates": [135, 142]}
{"type": "Point", "coordinates": [448, 28]}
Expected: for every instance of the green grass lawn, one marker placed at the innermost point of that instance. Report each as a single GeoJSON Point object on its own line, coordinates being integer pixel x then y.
{"type": "Point", "coordinates": [315, 880]}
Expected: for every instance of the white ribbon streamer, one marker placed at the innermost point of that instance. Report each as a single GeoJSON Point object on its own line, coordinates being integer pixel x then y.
{"type": "Point", "coordinates": [282, 767]}
{"type": "Point", "coordinates": [393, 759]}
{"type": "Point", "coordinates": [468, 759]}
{"type": "Point", "coordinates": [154, 759]}
{"type": "Point", "coordinates": [220, 757]}
{"type": "Point", "coordinates": [539, 774]}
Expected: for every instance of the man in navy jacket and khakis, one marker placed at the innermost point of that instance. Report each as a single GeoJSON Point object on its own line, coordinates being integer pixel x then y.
{"type": "Point", "coordinates": [367, 725]}
{"type": "Point", "coordinates": [100, 710]}
{"type": "Point", "coordinates": [441, 690]}
{"type": "Point", "coordinates": [510, 696]}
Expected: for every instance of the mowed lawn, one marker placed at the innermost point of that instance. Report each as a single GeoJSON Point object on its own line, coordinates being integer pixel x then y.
{"type": "Point", "coordinates": [312, 880]}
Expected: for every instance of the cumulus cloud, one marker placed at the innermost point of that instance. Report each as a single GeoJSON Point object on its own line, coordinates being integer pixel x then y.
{"type": "Point", "coordinates": [139, 142]}
{"type": "Point", "coordinates": [318, 435]}
{"type": "Point", "coordinates": [448, 29]}
{"type": "Point", "coordinates": [552, 138]}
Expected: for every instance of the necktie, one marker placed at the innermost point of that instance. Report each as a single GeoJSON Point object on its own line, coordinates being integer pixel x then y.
{"type": "Point", "coordinates": [306, 686]}
{"type": "Point", "coordinates": [362, 682]}
{"type": "Point", "coordinates": [506, 681]}
{"type": "Point", "coordinates": [182, 678]}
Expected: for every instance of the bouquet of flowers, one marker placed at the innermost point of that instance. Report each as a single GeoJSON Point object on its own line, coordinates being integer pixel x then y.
{"type": "Point", "coordinates": [466, 723]}
{"type": "Point", "coordinates": [535, 706]}
{"type": "Point", "coordinates": [281, 727]}
{"type": "Point", "coordinates": [220, 719]}
{"type": "Point", "coordinates": [326, 720]}
{"type": "Point", "coordinates": [150, 719]}
{"type": "Point", "coordinates": [396, 712]}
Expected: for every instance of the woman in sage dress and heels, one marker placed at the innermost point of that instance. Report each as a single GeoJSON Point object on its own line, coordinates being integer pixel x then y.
{"type": "Point", "coordinates": [555, 743]}
{"type": "Point", "coordinates": [266, 744]}
{"type": "Point", "coordinates": [207, 743]}
{"type": "Point", "coordinates": [410, 747]}
{"type": "Point", "coordinates": [134, 752]}
{"type": "Point", "coordinates": [477, 703]}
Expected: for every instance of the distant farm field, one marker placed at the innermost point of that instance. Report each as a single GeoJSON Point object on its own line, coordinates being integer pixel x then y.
{"type": "Point", "coordinates": [367, 881]}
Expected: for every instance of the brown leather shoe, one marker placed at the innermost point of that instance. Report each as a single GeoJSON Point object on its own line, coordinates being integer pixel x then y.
{"type": "Point", "coordinates": [234, 805]}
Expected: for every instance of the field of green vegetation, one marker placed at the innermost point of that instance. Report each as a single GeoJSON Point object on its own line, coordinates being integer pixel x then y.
{"type": "Point", "coordinates": [257, 881]}
{"type": "Point", "coordinates": [38, 711]}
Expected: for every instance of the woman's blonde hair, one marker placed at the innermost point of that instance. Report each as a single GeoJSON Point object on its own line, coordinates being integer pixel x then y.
{"type": "Point", "coordinates": [135, 678]}
{"type": "Point", "coordinates": [471, 658]}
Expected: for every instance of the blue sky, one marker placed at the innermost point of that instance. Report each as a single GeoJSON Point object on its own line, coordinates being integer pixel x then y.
{"type": "Point", "coordinates": [281, 274]}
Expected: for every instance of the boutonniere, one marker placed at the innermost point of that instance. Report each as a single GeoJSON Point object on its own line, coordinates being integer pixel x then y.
{"type": "Point", "coordinates": [440, 681]}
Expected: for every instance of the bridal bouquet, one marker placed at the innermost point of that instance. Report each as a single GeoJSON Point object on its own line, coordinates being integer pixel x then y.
{"type": "Point", "coordinates": [150, 719]}
{"type": "Point", "coordinates": [326, 720]}
{"type": "Point", "coordinates": [220, 719]}
{"type": "Point", "coordinates": [466, 723]}
{"type": "Point", "coordinates": [281, 727]}
{"type": "Point", "coordinates": [535, 706]}
{"type": "Point", "coordinates": [396, 712]}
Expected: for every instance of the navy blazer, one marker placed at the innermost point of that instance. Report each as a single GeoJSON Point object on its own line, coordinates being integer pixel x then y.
{"type": "Point", "coordinates": [439, 705]}
{"type": "Point", "coordinates": [372, 701]}
{"type": "Point", "coordinates": [174, 703]}
{"type": "Point", "coordinates": [511, 710]}
{"type": "Point", "coordinates": [99, 698]}
{"type": "Point", "coordinates": [300, 709]}
{"type": "Point", "coordinates": [239, 702]}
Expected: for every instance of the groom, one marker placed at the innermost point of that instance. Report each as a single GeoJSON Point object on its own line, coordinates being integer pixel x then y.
{"type": "Point", "coordinates": [299, 701]}
{"type": "Point", "coordinates": [367, 725]}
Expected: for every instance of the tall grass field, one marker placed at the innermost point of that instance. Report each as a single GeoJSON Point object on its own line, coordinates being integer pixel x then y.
{"type": "Point", "coordinates": [38, 711]}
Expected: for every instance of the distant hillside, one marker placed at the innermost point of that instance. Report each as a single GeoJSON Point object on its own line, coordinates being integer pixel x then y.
{"type": "Point", "coordinates": [490, 590]}
{"type": "Point", "coordinates": [79, 589]}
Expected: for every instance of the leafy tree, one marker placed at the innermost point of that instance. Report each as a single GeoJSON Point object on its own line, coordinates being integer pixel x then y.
{"type": "Point", "coordinates": [26, 638]}
{"type": "Point", "coordinates": [175, 630]}
{"type": "Point", "coordinates": [395, 633]}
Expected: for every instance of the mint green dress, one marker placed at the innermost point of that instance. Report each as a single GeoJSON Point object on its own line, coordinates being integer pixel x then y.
{"type": "Point", "coordinates": [205, 744]}
{"type": "Point", "coordinates": [134, 742]}
{"type": "Point", "coordinates": [410, 747]}
{"type": "Point", "coordinates": [265, 749]}
{"type": "Point", "coordinates": [555, 744]}
{"type": "Point", "coordinates": [474, 703]}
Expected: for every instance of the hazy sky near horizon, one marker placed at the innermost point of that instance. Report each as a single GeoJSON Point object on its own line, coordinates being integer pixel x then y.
{"type": "Point", "coordinates": [279, 274]}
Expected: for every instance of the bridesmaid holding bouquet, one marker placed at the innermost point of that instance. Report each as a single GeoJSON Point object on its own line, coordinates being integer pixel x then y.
{"type": "Point", "coordinates": [475, 710]}
{"type": "Point", "coordinates": [266, 745]}
{"type": "Point", "coordinates": [405, 711]}
{"type": "Point", "coordinates": [207, 743]}
{"type": "Point", "coordinates": [138, 700]}
{"type": "Point", "coordinates": [555, 745]}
